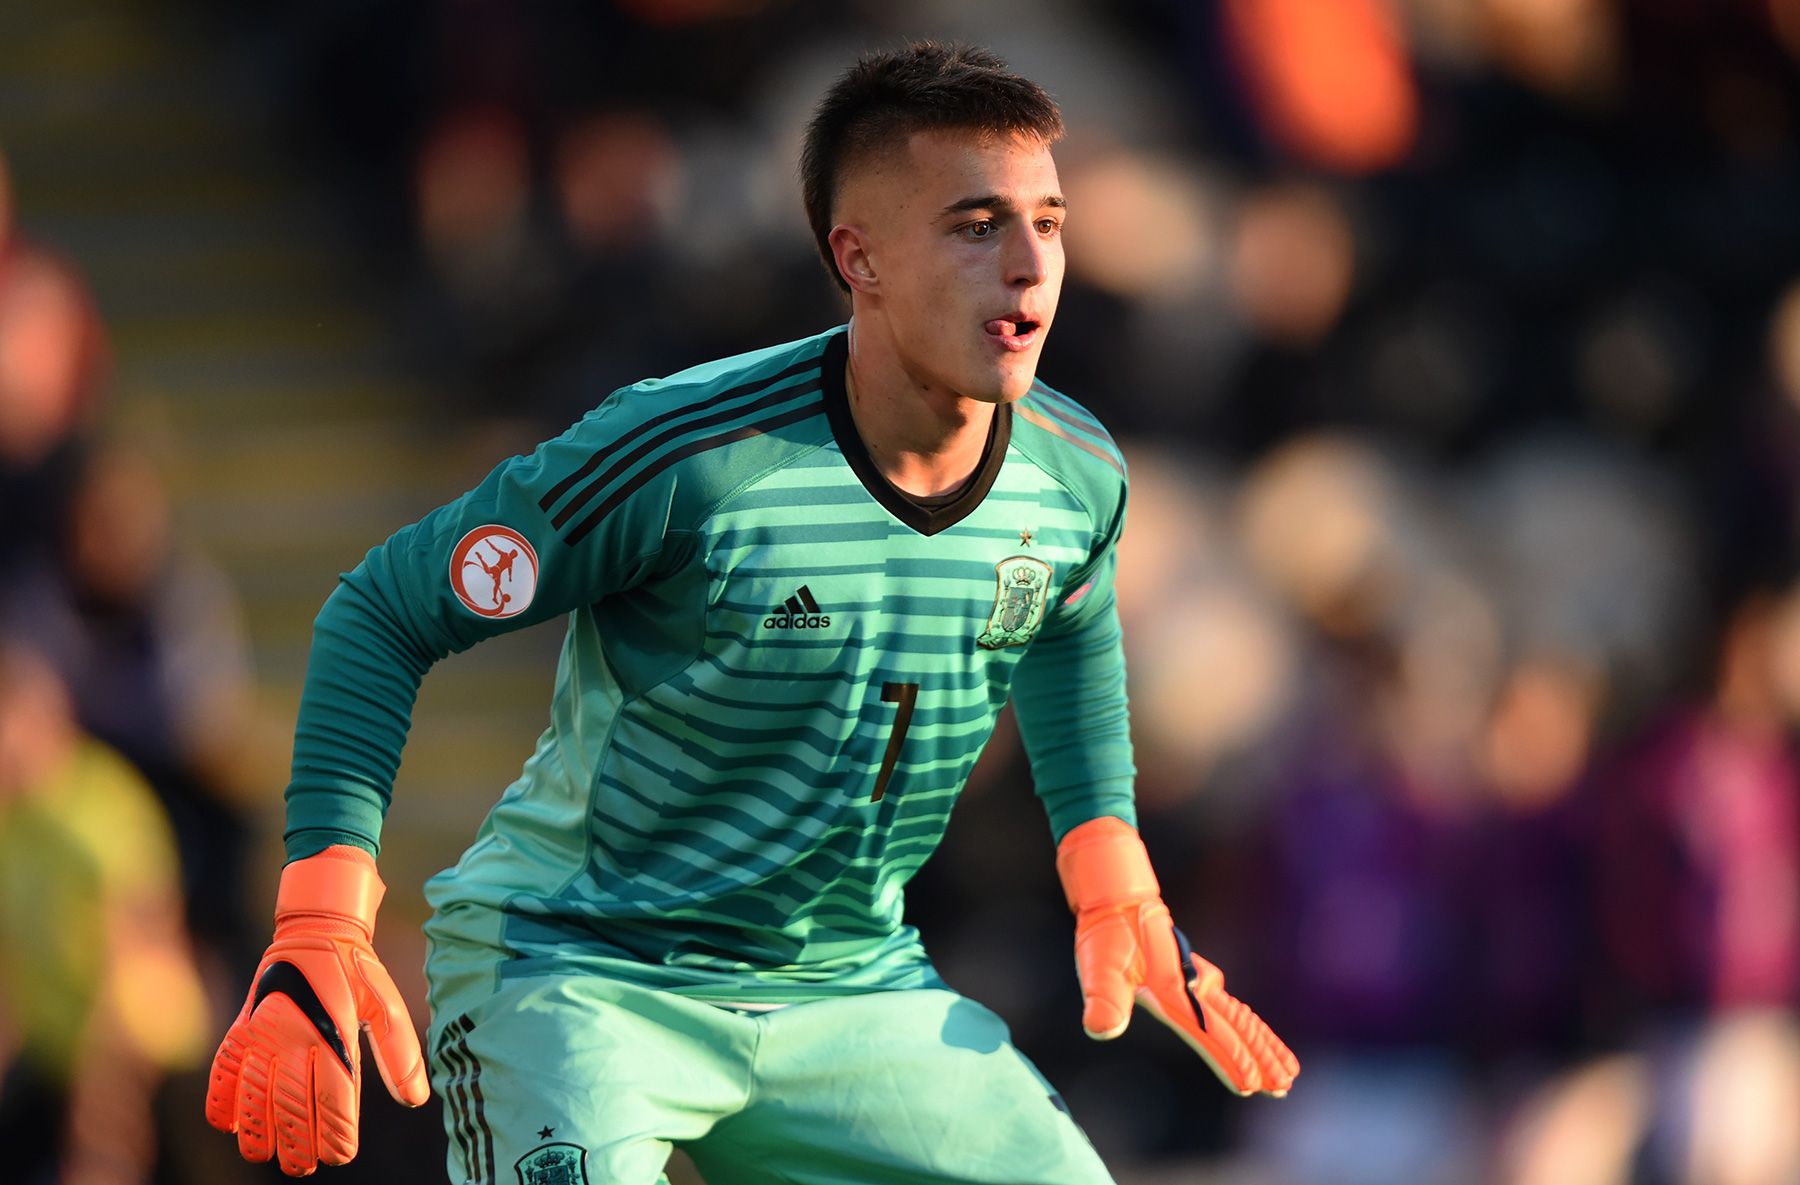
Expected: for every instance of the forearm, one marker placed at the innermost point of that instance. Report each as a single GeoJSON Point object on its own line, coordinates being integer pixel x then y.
{"type": "Point", "coordinates": [1070, 699]}
{"type": "Point", "coordinates": [362, 681]}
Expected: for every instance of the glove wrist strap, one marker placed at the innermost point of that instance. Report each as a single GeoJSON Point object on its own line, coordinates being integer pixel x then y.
{"type": "Point", "coordinates": [1103, 865]}
{"type": "Point", "coordinates": [339, 884]}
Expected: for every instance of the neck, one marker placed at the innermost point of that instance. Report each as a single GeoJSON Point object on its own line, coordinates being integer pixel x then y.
{"type": "Point", "coordinates": [924, 438]}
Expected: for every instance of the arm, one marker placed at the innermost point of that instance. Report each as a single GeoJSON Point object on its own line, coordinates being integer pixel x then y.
{"type": "Point", "coordinates": [434, 589]}
{"type": "Point", "coordinates": [287, 1077]}
{"type": "Point", "coordinates": [1071, 703]}
{"type": "Point", "coordinates": [1069, 697]}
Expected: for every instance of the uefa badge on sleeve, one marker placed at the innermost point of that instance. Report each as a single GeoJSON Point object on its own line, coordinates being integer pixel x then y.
{"type": "Point", "coordinates": [1024, 586]}
{"type": "Point", "coordinates": [494, 572]}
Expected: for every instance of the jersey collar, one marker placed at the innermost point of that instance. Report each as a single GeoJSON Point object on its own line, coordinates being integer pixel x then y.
{"type": "Point", "coordinates": [924, 520]}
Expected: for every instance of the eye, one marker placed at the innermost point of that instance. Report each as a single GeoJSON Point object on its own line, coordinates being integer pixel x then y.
{"type": "Point", "coordinates": [1049, 226]}
{"type": "Point", "coordinates": [979, 229]}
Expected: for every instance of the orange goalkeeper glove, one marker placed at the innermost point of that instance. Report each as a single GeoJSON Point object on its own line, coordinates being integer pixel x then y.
{"type": "Point", "coordinates": [288, 1076]}
{"type": "Point", "coordinates": [1126, 947]}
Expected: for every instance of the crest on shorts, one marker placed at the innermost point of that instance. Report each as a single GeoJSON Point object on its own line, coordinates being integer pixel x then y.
{"type": "Point", "coordinates": [494, 571]}
{"type": "Point", "coordinates": [554, 1164]}
{"type": "Point", "coordinates": [1023, 587]}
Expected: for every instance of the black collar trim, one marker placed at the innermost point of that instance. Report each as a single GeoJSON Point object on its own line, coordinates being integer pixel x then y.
{"type": "Point", "coordinates": [924, 520]}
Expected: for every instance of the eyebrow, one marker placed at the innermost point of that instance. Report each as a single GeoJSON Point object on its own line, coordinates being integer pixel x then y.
{"type": "Point", "coordinates": [993, 201]}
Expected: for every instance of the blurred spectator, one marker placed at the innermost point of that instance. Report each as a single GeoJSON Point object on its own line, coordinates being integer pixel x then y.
{"type": "Point", "coordinates": [1356, 940]}
{"type": "Point", "coordinates": [99, 996]}
{"type": "Point", "coordinates": [490, 285]}
{"type": "Point", "coordinates": [1786, 16]}
{"type": "Point", "coordinates": [473, 194]}
{"type": "Point", "coordinates": [1699, 857]}
{"type": "Point", "coordinates": [1593, 552]}
{"type": "Point", "coordinates": [1580, 1128]}
{"type": "Point", "coordinates": [147, 634]}
{"type": "Point", "coordinates": [618, 181]}
{"type": "Point", "coordinates": [53, 364]}
{"type": "Point", "coordinates": [1529, 948]}
{"type": "Point", "coordinates": [1693, 872]}
{"type": "Point", "coordinates": [1212, 661]}
{"type": "Point", "coordinates": [1784, 343]}
{"type": "Point", "coordinates": [1331, 82]}
{"type": "Point", "coordinates": [1322, 520]}
{"type": "Point", "coordinates": [1153, 237]}
{"type": "Point", "coordinates": [1292, 263]}
{"type": "Point", "coordinates": [1569, 47]}
{"type": "Point", "coordinates": [1743, 1097]}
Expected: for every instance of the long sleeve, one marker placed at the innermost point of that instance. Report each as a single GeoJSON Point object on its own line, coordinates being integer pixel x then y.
{"type": "Point", "coordinates": [1069, 695]}
{"type": "Point", "coordinates": [514, 551]}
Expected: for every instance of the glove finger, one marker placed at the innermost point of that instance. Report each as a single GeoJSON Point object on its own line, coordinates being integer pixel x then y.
{"type": "Point", "coordinates": [1190, 1004]}
{"type": "Point", "coordinates": [222, 1080]}
{"type": "Point", "coordinates": [1106, 961]}
{"type": "Point", "coordinates": [336, 1099]}
{"type": "Point", "coordinates": [1217, 1045]}
{"type": "Point", "coordinates": [1239, 1036]}
{"type": "Point", "coordinates": [391, 1035]}
{"type": "Point", "coordinates": [296, 1145]}
{"type": "Point", "coordinates": [1275, 1061]}
{"type": "Point", "coordinates": [255, 1124]}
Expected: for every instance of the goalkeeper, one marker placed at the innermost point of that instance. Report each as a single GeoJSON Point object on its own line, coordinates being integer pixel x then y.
{"type": "Point", "coordinates": [799, 586]}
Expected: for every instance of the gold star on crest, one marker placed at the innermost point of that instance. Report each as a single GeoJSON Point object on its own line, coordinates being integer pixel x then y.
{"type": "Point", "coordinates": [1025, 538]}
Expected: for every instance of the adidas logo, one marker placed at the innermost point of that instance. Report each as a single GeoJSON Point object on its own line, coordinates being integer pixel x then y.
{"type": "Point", "coordinates": [799, 612]}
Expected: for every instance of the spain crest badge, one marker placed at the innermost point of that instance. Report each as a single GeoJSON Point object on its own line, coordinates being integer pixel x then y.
{"type": "Point", "coordinates": [554, 1164]}
{"type": "Point", "coordinates": [1023, 587]}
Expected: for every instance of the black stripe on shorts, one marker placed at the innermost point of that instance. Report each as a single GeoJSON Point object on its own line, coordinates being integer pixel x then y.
{"type": "Point", "coordinates": [468, 1112]}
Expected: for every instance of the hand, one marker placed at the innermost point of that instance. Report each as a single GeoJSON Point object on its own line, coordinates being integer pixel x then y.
{"type": "Point", "coordinates": [1128, 950]}
{"type": "Point", "coordinates": [288, 1076]}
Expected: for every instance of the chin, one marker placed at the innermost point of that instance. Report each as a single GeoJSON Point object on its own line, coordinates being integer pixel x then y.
{"type": "Point", "coordinates": [1007, 383]}
{"type": "Point", "coordinates": [1015, 390]}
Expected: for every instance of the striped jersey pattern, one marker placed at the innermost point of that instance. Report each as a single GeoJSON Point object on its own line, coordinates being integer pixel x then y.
{"type": "Point", "coordinates": [776, 677]}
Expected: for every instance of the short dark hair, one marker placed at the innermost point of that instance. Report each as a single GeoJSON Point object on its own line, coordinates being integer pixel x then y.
{"type": "Point", "coordinates": [888, 96]}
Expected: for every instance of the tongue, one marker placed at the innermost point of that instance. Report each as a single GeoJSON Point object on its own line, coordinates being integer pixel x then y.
{"type": "Point", "coordinates": [1002, 328]}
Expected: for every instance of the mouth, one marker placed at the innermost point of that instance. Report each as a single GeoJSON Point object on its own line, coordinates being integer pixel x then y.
{"type": "Point", "coordinates": [1014, 332]}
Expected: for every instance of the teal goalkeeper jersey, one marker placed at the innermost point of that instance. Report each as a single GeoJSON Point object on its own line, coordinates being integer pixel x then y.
{"type": "Point", "coordinates": [778, 673]}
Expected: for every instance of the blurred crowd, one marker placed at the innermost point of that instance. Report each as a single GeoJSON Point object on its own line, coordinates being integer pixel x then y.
{"type": "Point", "coordinates": [1455, 348]}
{"type": "Point", "coordinates": [124, 690]}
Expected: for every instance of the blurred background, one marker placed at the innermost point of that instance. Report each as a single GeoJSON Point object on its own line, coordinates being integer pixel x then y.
{"type": "Point", "coordinates": [1455, 346]}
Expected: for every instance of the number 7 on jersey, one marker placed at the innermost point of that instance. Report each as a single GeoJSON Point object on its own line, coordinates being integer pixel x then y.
{"type": "Point", "coordinates": [905, 695]}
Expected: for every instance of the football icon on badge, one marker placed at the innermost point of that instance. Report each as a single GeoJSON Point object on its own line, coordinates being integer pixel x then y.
{"type": "Point", "coordinates": [494, 572]}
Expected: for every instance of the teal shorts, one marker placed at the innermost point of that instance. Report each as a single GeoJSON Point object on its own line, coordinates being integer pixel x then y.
{"type": "Point", "coordinates": [579, 1080]}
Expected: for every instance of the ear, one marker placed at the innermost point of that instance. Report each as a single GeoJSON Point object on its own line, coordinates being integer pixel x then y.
{"type": "Point", "coordinates": [850, 247]}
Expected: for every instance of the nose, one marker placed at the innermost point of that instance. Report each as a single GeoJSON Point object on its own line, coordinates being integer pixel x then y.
{"type": "Point", "coordinates": [1028, 261]}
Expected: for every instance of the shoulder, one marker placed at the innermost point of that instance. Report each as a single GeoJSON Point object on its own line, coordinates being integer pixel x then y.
{"type": "Point", "coordinates": [1070, 443]}
{"type": "Point", "coordinates": [694, 435]}
{"type": "Point", "coordinates": [739, 389]}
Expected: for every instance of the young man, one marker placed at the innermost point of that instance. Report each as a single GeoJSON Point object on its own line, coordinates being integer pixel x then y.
{"type": "Point", "coordinates": [801, 583]}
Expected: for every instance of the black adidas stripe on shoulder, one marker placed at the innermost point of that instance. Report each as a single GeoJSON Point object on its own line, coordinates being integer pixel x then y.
{"type": "Point", "coordinates": [793, 415]}
{"type": "Point", "coordinates": [725, 415]}
{"type": "Point", "coordinates": [594, 462]}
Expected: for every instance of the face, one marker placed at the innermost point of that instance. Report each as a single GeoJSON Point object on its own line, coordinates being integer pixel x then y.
{"type": "Point", "coordinates": [952, 245]}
